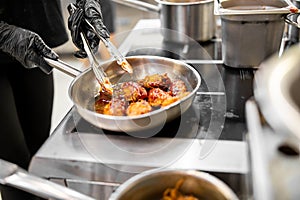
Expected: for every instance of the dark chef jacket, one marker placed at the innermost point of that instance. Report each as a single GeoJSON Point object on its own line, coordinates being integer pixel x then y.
{"type": "Point", "coordinates": [41, 16]}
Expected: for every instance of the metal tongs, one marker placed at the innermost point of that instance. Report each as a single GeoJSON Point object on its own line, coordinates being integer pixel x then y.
{"type": "Point", "coordinates": [121, 60]}
{"type": "Point", "coordinates": [110, 47]}
{"type": "Point", "coordinates": [98, 71]}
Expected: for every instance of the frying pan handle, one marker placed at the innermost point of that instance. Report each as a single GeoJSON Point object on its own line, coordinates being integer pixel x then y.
{"type": "Point", "coordinates": [63, 67]}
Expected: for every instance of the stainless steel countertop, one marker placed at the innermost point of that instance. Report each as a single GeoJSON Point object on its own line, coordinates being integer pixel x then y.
{"type": "Point", "coordinates": [139, 154]}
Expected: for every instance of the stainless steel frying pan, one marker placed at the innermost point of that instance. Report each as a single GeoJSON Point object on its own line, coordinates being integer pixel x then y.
{"type": "Point", "coordinates": [84, 88]}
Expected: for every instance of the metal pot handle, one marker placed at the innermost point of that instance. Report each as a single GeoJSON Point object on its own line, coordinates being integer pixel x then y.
{"type": "Point", "coordinates": [139, 5]}
{"type": "Point", "coordinates": [291, 22]}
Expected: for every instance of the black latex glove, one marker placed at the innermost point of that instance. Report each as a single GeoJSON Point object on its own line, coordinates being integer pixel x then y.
{"type": "Point", "coordinates": [25, 46]}
{"type": "Point", "coordinates": [89, 10]}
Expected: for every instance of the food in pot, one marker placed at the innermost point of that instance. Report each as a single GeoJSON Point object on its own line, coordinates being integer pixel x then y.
{"type": "Point", "coordinates": [142, 96]}
{"type": "Point", "coordinates": [175, 194]}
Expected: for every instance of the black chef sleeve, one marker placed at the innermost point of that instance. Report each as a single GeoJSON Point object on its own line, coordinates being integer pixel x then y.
{"type": "Point", "coordinates": [25, 46]}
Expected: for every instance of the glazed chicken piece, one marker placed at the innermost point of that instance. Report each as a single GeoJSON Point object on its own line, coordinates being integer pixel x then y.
{"type": "Point", "coordinates": [178, 88]}
{"type": "Point", "coordinates": [116, 107]}
{"type": "Point", "coordinates": [138, 108]}
{"type": "Point", "coordinates": [101, 101]}
{"type": "Point", "coordinates": [156, 81]}
{"type": "Point", "coordinates": [135, 98]}
{"type": "Point", "coordinates": [169, 100]}
{"type": "Point", "coordinates": [131, 91]}
{"type": "Point", "coordinates": [123, 94]}
{"type": "Point", "coordinates": [157, 97]}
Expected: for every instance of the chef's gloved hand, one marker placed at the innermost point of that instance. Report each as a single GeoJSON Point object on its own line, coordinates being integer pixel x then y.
{"type": "Point", "coordinates": [89, 10]}
{"type": "Point", "coordinates": [25, 46]}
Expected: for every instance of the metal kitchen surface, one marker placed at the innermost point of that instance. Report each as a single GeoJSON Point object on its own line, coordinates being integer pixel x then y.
{"type": "Point", "coordinates": [210, 136]}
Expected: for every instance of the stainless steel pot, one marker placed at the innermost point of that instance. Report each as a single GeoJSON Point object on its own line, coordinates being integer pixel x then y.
{"type": "Point", "coordinates": [186, 18]}
{"type": "Point", "coordinates": [152, 184]}
{"type": "Point", "coordinates": [85, 87]}
{"type": "Point", "coordinates": [251, 30]}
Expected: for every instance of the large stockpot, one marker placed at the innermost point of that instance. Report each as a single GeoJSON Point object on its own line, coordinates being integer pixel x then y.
{"type": "Point", "coordinates": [186, 18]}
{"type": "Point", "coordinates": [152, 184]}
{"type": "Point", "coordinates": [85, 87]}
{"type": "Point", "coordinates": [251, 30]}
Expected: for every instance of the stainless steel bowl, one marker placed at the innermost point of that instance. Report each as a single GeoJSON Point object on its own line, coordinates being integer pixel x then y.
{"type": "Point", "coordinates": [150, 185]}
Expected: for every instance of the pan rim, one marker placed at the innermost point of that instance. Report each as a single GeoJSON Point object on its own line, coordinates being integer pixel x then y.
{"type": "Point", "coordinates": [141, 116]}
{"type": "Point", "coordinates": [170, 3]}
